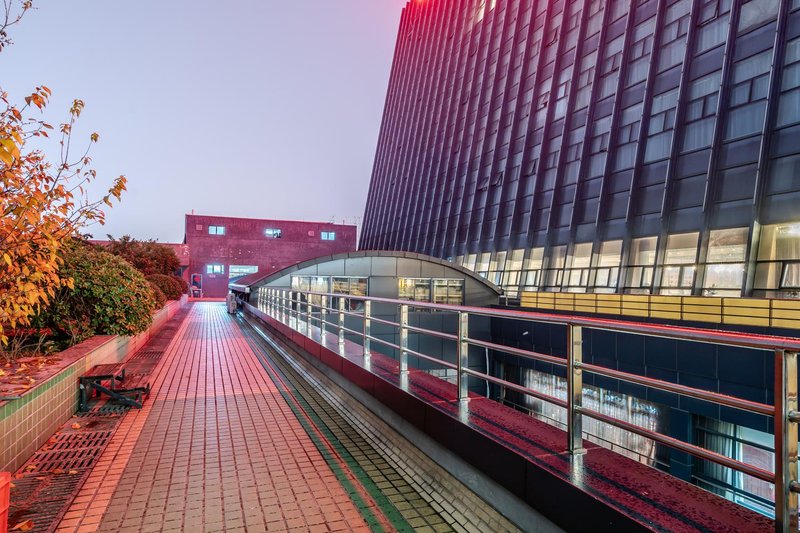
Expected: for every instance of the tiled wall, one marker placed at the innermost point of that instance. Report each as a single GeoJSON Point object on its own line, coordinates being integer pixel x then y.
{"type": "Point", "coordinates": [27, 423]}
{"type": "Point", "coordinates": [735, 311]}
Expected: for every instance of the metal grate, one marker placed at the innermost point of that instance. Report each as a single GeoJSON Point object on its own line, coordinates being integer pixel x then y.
{"type": "Point", "coordinates": [40, 498]}
{"type": "Point", "coordinates": [107, 409]}
{"type": "Point", "coordinates": [147, 354]}
{"type": "Point", "coordinates": [69, 451]}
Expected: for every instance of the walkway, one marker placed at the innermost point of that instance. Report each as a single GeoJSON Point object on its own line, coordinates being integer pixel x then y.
{"type": "Point", "coordinates": [232, 439]}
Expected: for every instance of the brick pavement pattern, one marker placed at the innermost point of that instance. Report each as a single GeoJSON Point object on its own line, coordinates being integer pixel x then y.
{"type": "Point", "coordinates": [215, 448]}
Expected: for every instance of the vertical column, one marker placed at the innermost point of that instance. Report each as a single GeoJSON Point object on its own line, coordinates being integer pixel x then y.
{"type": "Point", "coordinates": [367, 330]}
{"type": "Point", "coordinates": [403, 339]}
{"type": "Point", "coordinates": [786, 417]}
{"type": "Point", "coordinates": [462, 351]}
{"type": "Point", "coordinates": [574, 389]}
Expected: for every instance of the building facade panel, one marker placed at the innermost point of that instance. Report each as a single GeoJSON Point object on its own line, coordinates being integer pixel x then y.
{"type": "Point", "coordinates": [226, 248]}
{"type": "Point", "coordinates": [596, 146]}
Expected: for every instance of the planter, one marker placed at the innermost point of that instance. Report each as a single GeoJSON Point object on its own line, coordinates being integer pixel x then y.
{"type": "Point", "coordinates": [27, 422]}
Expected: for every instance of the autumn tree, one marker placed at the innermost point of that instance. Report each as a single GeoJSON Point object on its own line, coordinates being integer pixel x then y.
{"type": "Point", "coordinates": [42, 203]}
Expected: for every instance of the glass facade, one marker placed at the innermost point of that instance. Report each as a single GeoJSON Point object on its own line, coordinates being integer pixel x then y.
{"type": "Point", "coordinates": [629, 146]}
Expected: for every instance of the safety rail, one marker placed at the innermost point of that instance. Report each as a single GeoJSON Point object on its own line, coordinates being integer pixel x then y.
{"type": "Point", "coordinates": [300, 305]}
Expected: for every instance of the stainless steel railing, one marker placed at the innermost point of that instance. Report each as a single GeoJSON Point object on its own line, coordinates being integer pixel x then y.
{"type": "Point", "coordinates": [286, 305]}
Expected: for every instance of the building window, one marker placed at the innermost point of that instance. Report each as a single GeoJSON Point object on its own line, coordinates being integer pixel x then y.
{"type": "Point", "coordinates": [352, 286]}
{"type": "Point", "coordinates": [607, 271]}
{"type": "Point", "coordinates": [748, 100]}
{"type": "Point", "coordinates": [273, 233]}
{"type": "Point", "coordinates": [414, 289]}
{"type": "Point", "coordinates": [448, 291]}
{"type": "Point", "coordinates": [216, 230]}
{"type": "Point", "coordinates": [328, 235]}
{"type": "Point", "coordinates": [680, 264]}
{"type": "Point", "coordinates": [215, 269]}
{"type": "Point", "coordinates": [641, 261]}
{"type": "Point", "coordinates": [577, 276]}
{"type": "Point", "coordinates": [238, 271]}
{"type": "Point", "coordinates": [558, 257]}
{"type": "Point", "coordinates": [789, 104]}
{"type": "Point", "coordinates": [662, 122]}
{"type": "Point", "coordinates": [532, 268]}
{"type": "Point", "coordinates": [701, 111]}
{"type": "Point", "coordinates": [725, 268]}
{"type": "Point", "coordinates": [791, 276]}
{"type": "Point", "coordinates": [778, 260]}
{"type": "Point", "coordinates": [511, 275]}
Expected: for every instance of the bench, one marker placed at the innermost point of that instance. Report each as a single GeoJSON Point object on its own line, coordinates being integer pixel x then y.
{"type": "Point", "coordinates": [136, 388]}
{"type": "Point", "coordinates": [113, 381]}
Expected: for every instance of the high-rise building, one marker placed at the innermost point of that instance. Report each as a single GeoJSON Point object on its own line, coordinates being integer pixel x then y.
{"type": "Point", "coordinates": [629, 146]}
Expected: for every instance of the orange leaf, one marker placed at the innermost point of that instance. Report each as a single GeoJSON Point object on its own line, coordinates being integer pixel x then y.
{"type": "Point", "coordinates": [27, 525]}
{"type": "Point", "coordinates": [75, 426]}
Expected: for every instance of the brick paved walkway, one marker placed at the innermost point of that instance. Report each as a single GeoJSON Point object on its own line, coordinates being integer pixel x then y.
{"type": "Point", "coordinates": [225, 443]}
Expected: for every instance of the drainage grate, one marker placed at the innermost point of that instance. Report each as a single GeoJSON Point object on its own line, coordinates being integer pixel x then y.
{"type": "Point", "coordinates": [69, 451]}
{"type": "Point", "coordinates": [39, 498]}
{"type": "Point", "coordinates": [147, 354]}
{"type": "Point", "coordinates": [105, 409]}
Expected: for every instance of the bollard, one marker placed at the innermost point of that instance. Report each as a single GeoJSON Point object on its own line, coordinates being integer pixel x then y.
{"type": "Point", "coordinates": [5, 500]}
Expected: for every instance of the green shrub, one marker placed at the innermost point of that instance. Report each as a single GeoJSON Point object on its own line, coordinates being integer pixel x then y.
{"type": "Point", "coordinates": [148, 257]}
{"type": "Point", "coordinates": [169, 285]}
{"type": "Point", "coordinates": [158, 295]}
{"type": "Point", "coordinates": [184, 284]}
{"type": "Point", "coordinates": [109, 297]}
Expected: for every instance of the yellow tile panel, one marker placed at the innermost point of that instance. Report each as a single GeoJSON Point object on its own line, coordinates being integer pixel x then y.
{"type": "Point", "coordinates": [785, 323]}
{"type": "Point", "coordinates": [666, 314]}
{"type": "Point", "coordinates": [702, 300]}
{"type": "Point", "coordinates": [673, 307]}
{"type": "Point", "coordinates": [746, 320]}
{"type": "Point", "coordinates": [786, 304]}
{"type": "Point", "coordinates": [786, 313]}
{"type": "Point", "coordinates": [747, 311]}
{"type": "Point", "coordinates": [745, 302]}
{"type": "Point", "coordinates": [701, 317]}
{"type": "Point", "coordinates": [635, 312]}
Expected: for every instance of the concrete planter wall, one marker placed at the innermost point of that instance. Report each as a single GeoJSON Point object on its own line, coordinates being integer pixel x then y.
{"type": "Point", "coordinates": [27, 423]}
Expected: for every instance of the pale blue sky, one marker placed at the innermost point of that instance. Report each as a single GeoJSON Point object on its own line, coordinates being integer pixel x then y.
{"type": "Point", "coordinates": [255, 108]}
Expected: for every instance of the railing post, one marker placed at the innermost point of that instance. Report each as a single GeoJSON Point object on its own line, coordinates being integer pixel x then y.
{"type": "Point", "coordinates": [785, 440]}
{"type": "Point", "coordinates": [270, 302]}
{"type": "Point", "coordinates": [574, 389]}
{"type": "Point", "coordinates": [308, 314]}
{"type": "Point", "coordinates": [367, 329]}
{"type": "Point", "coordinates": [323, 316]}
{"type": "Point", "coordinates": [403, 338]}
{"type": "Point", "coordinates": [341, 320]}
{"type": "Point", "coordinates": [462, 351]}
{"type": "Point", "coordinates": [292, 312]}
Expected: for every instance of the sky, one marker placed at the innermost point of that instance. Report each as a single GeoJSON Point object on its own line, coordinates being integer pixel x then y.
{"type": "Point", "coordinates": [252, 108]}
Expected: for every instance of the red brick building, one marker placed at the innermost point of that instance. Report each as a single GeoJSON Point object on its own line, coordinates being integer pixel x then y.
{"type": "Point", "coordinates": [226, 248]}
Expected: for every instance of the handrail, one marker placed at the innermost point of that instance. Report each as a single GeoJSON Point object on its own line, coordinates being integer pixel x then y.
{"type": "Point", "coordinates": [707, 336]}
{"type": "Point", "coordinates": [785, 411]}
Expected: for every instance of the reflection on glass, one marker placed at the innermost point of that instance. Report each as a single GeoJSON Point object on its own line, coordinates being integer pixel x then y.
{"type": "Point", "coordinates": [681, 249]}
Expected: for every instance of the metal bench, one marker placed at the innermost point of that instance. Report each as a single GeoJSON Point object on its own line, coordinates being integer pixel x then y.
{"type": "Point", "coordinates": [113, 381]}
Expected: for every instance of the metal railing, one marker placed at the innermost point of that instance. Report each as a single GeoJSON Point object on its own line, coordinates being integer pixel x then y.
{"type": "Point", "coordinates": [287, 305]}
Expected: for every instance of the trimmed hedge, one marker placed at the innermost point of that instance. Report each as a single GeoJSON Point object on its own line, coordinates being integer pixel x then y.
{"type": "Point", "coordinates": [158, 295]}
{"type": "Point", "coordinates": [169, 285]}
{"type": "Point", "coordinates": [109, 297]}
